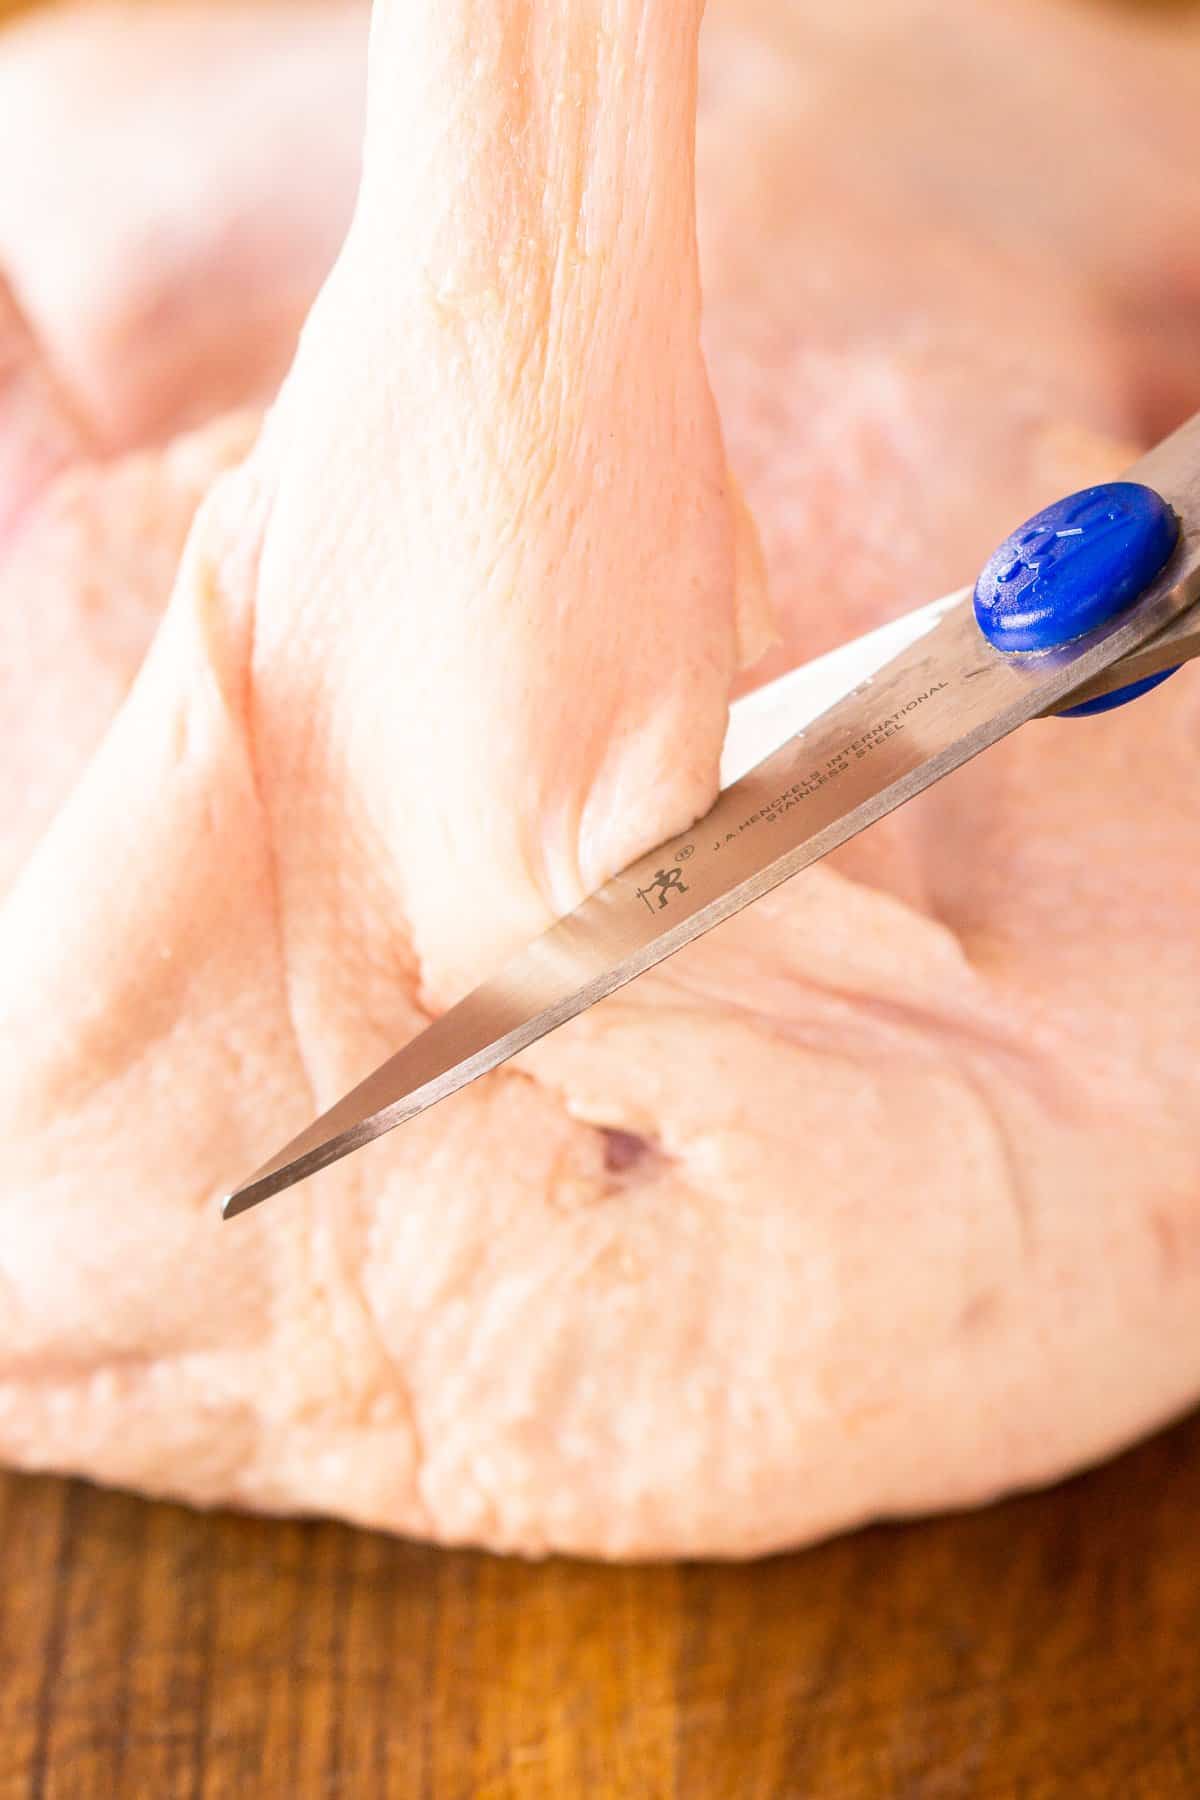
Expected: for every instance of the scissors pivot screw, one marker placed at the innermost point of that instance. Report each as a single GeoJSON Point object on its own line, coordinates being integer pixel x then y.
{"type": "Point", "coordinates": [1074, 567]}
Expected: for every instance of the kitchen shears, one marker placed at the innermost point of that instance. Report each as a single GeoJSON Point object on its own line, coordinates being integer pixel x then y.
{"type": "Point", "coordinates": [1091, 601]}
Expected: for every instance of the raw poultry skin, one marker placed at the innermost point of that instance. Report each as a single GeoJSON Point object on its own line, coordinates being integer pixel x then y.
{"type": "Point", "coordinates": [89, 547]}
{"type": "Point", "coordinates": [169, 248]}
{"type": "Point", "coordinates": [885, 1196]}
{"type": "Point", "coordinates": [153, 272]}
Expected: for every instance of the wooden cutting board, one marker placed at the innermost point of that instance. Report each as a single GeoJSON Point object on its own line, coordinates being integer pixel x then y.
{"type": "Point", "coordinates": [1048, 1647]}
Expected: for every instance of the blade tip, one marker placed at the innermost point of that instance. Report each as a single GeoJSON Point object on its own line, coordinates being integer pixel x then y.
{"type": "Point", "coordinates": [263, 1185]}
{"type": "Point", "coordinates": [239, 1201]}
{"type": "Point", "coordinates": [296, 1162]}
{"type": "Point", "coordinates": [252, 1193]}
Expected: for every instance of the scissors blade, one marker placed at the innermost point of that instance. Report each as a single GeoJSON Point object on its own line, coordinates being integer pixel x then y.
{"type": "Point", "coordinates": [933, 705]}
{"type": "Point", "coordinates": [760, 722]}
{"type": "Point", "coordinates": [1178, 643]}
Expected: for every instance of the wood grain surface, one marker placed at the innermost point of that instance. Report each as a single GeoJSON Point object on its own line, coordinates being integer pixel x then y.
{"type": "Point", "coordinates": [1049, 1646]}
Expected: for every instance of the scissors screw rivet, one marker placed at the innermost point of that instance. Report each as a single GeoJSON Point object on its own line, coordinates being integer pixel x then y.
{"type": "Point", "coordinates": [1072, 568]}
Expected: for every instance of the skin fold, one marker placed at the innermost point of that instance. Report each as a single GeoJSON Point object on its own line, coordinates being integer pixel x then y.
{"type": "Point", "coordinates": [88, 551]}
{"type": "Point", "coordinates": [169, 248]}
{"type": "Point", "coordinates": [884, 1196]}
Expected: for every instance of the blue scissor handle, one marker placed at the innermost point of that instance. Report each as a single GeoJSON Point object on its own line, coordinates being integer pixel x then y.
{"type": "Point", "coordinates": [1072, 567]}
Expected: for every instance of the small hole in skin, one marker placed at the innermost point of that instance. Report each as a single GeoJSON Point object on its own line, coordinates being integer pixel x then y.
{"type": "Point", "coordinates": [623, 1150]}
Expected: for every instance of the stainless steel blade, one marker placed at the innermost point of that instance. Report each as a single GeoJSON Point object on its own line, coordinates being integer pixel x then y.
{"type": "Point", "coordinates": [927, 711]}
{"type": "Point", "coordinates": [1178, 643]}
{"type": "Point", "coordinates": [762, 722]}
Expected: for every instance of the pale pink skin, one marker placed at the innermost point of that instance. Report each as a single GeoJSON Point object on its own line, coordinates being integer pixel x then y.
{"type": "Point", "coordinates": [181, 180]}
{"type": "Point", "coordinates": [88, 551]}
{"type": "Point", "coordinates": [916, 1213]}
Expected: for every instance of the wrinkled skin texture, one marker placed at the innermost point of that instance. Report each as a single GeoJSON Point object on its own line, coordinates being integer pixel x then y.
{"type": "Point", "coordinates": [884, 1196]}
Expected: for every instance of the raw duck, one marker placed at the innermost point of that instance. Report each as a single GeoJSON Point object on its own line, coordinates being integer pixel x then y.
{"type": "Point", "coordinates": [88, 551]}
{"type": "Point", "coordinates": [206, 154]}
{"type": "Point", "coordinates": [153, 273]}
{"type": "Point", "coordinates": [885, 1196]}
